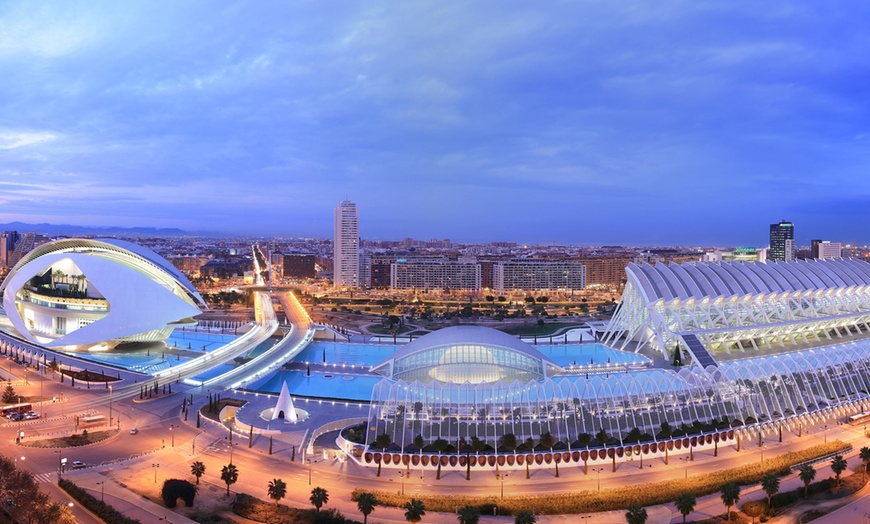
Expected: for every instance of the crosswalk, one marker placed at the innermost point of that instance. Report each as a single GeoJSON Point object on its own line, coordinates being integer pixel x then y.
{"type": "Point", "coordinates": [42, 478]}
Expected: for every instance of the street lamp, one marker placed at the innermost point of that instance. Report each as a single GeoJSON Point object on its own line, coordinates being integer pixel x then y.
{"type": "Point", "coordinates": [110, 405]}
{"type": "Point", "coordinates": [598, 470]}
{"type": "Point", "coordinates": [686, 461]}
{"type": "Point", "coordinates": [172, 434]}
{"type": "Point", "coordinates": [402, 476]}
{"type": "Point", "coordinates": [501, 477]}
{"type": "Point", "coordinates": [102, 490]}
{"type": "Point", "coordinates": [154, 467]}
{"type": "Point", "coordinates": [826, 433]}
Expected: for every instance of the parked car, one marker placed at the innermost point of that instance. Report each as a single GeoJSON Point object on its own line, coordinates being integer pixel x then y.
{"type": "Point", "coordinates": [30, 415]}
{"type": "Point", "coordinates": [15, 417]}
{"type": "Point", "coordinates": [134, 431]}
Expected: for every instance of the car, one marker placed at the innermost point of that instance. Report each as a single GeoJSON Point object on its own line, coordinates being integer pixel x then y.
{"type": "Point", "coordinates": [31, 415]}
{"type": "Point", "coordinates": [78, 464]}
{"type": "Point", "coordinates": [15, 417]}
{"type": "Point", "coordinates": [134, 431]}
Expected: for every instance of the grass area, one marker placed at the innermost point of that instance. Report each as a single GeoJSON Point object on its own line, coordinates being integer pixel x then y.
{"type": "Point", "coordinates": [257, 510]}
{"type": "Point", "coordinates": [649, 494]}
{"type": "Point", "coordinates": [528, 330]}
{"type": "Point", "coordinates": [219, 405]}
{"type": "Point", "coordinates": [381, 330]}
{"type": "Point", "coordinates": [80, 439]}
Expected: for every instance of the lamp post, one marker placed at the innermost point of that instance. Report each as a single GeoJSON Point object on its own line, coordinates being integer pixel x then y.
{"type": "Point", "coordinates": [172, 434]}
{"type": "Point", "coordinates": [59, 463]}
{"type": "Point", "coordinates": [402, 475]}
{"type": "Point", "coordinates": [826, 433]}
{"type": "Point", "coordinates": [309, 471]}
{"type": "Point", "coordinates": [110, 405]}
{"type": "Point", "coordinates": [501, 478]}
{"type": "Point", "coordinates": [154, 467]}
{"type": "Point", "coordinates": [598, 470]}
{"type": "Point", "coordinates": [102, 490]}
{"type": "Point", "coordinates": [686, 461]}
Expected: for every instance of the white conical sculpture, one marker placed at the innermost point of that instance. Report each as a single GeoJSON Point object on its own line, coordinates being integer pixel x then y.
{"type": "Point", "coordinates": [284, 408]}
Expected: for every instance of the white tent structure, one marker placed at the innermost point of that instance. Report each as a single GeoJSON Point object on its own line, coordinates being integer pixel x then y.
{"type": "Point", "coordinates": [284, 408]}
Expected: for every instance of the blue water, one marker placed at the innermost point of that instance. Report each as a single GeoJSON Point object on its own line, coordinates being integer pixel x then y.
{"type": "Point", "coordinates": [322, 385]}
{"type": "Point", "coordinates": [262, 348]}
{"type": "Point", "coordinates": [197, 341]}
{"type": "Point", "coordinates": [349, 354]}
{"type": "Point", "coordinates": [214, 372]}
{"type": "Point", "coordinates": [589, 354]}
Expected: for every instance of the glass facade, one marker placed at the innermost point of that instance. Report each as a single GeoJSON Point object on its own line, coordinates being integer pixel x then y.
{"type": "Point", "coordinates": [473, 363]}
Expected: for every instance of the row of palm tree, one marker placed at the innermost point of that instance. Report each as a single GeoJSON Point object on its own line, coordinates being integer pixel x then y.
{"type": "Point", "coordinates": [770, 483]}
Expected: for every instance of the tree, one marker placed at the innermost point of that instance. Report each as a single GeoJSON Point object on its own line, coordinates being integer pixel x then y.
{"type": "Point", "coordinates": [636, 515]}
{"type": "Point", "coordinates": [686, 504]}
{"type": "Point", "coordinates": [509, 442]}
{"type": "Point", "coordinates": [807, 474]}
{"type": "Point", "coordinates": [667, 432]}
{"type": "Point", "coordinates": [440, 446]}
{"type": "Point", "coordinates": [530, 445]}
{"type": "Point", "coordinates": [864, 455]}
{"type": "Point", "coordinates": [319, 497]}
{"type": "Point", "coordinates": [414, 510]}
{"type": "Point", "coordinates": [525, 517]}
{"type": "Point", "coordinates": [602, 437]}
{"type": "Point", "coordinates": [197, 469]}
{"type": "Point", "coordinates": [277, 490]}
{"type": "Point", "coordinates": [730, 496]}
{"type": "Point", "coordinates": [383, 441]}
{"type": "Point", "coordinates": [9, 395]}
{"type": "Point", "coordinates": [174, 488]}
{"type": "Point", "coordinates": [469, 515]}
{"type": "Point", "coordinates": [584, 439]}
{"type": "Point", "coordinates": [770, 485]}
{"type": "Point", "coordinates": [419, 442]}
{"type": "Point", "coordinates": [366, 503]}
{"type": "Point", "coordinates": [230, 475]}
{"type": "Point", "coordinates": [548, 441]}
{"type": "Point", "coordinates": [838, 466]}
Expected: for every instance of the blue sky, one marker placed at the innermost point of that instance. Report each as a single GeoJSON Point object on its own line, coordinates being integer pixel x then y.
{"type": "Point", "coordinates": [673, 122]}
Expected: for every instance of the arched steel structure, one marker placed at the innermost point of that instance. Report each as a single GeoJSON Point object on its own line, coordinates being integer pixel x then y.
{"type": "Point", "coordinates": [741, 305]}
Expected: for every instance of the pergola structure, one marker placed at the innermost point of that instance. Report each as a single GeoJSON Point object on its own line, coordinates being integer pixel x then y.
{"type": "Point", "coordinates": [739, 305]}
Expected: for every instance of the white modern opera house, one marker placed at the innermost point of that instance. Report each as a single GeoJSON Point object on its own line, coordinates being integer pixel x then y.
{"type": "Point", "coordinates": [763, 347]}
{"type": "Point", "coordinates": [94, 294]}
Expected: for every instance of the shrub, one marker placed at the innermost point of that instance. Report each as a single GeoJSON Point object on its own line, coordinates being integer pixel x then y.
{"type": "Point", "coordinates": [106, 512]}
{"type": "Point", "coordinates": [175, 488]}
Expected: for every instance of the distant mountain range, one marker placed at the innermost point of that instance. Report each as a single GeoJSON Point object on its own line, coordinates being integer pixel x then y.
{"type": "Point", "coordinates": [70, 230]}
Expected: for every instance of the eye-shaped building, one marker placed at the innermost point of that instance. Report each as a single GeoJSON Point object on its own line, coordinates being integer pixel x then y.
{"type": "Point", "coordinates": [82, 293]}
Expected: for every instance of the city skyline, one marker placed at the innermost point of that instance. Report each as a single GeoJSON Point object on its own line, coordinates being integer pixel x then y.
{"type": "Point", "coordinates": [584, 124]}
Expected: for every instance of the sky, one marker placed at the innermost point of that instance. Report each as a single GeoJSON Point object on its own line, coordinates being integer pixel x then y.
{"type": "Point", "coordinates": [584, 122]}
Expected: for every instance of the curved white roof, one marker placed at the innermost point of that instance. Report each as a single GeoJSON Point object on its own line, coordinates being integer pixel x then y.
{"type": "Point", "coordinates": [725, 279]}
{"type": "Point", "coordinates": [458, 335]}
{"type": "Point", "coordinates": [143, 295]}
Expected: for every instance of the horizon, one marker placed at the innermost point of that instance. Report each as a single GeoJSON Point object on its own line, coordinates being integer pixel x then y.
{"type": "Point", "coordinates": [690, 124]}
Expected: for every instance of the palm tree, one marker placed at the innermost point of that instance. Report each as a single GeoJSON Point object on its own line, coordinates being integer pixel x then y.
{"type": "Point", "coordinates": [636, 515]}
{"type": "Point", "coordinates": [770, 485]}
{"type": "Point", "coordinates": [197, 469]}
{"type": "Point", "coordinates": [525, 517]}
{"type": "Point", "coordinates": [318, 497]}
{"type": "Point", "coordinates": [469, 515]}
{"type": "Point", "coordinates": [366, 503]}
{"type": "Point", "coordinates": [509, 442]}
{"type": "Point", "coordinates": [530, 445]}
{"type": "Point", "coordinates": [419, 442]}
{"type": "Point", "coordinates": [686, 504]}
{"type": "Point", "coordinates": [229, 474]}
{"type": "Point", "coordinates": [414, 510]}
{"type": "Point", "coordinates": [807, 475]}
{"type": "Point", "coordinates": [383, 441]}
{"type": "Point", "coordinates": [277, 490]}
{"type": "Point", "coordinates": [667, 432]}
{"type": "Point", "coordinates": [838, 466]}
{"type": "Point", "coordinates": [584, 439]}
{"type": "Point", "coordinates": [440, 446]}
{"type": "Point", "coordinates": [548, 441]}
{"type": "Point", "coordinates": [730, 496]}
{"type": "Point", "coordinates": [864, 455]}
{"type": "Point", "coordinates": [602, 437]}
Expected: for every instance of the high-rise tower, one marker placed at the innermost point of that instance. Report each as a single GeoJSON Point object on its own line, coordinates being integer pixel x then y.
{"type": "Point", "coordinates": [346, 246]}
{"type": "Point", "coordinates": [782, 246]}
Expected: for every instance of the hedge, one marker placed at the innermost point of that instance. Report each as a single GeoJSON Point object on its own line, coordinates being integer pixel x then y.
{"type": "Point", "coordinates": [106, 512]}
{"type": "Point", "coordinates": [617, 498]}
